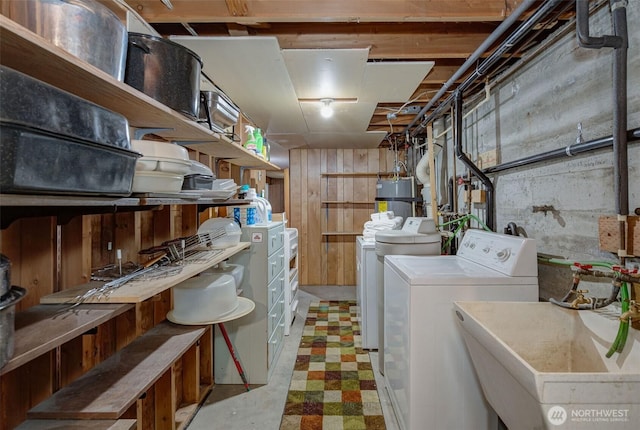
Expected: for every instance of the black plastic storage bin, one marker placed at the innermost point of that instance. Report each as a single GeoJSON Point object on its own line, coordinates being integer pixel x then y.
{"type": "Point", "coordinates": [32, 103]}
{"type": "Point", "coordinates": [36, 161]}
{"type": "Point", "coordinates": [197, 182]}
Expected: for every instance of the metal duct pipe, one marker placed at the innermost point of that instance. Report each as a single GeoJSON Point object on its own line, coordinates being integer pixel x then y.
{"type": "Point", "coordinates": [504, 47]}
{"type": "Point", "coordinates": [472, 167]}
{"type": "Point", "coordinates": [493, 37]}
{"type": "Point", "coordinates": [569, 151]}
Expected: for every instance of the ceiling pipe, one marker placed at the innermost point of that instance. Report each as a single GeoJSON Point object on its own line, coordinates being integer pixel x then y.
{"type": "Point", "coordinates": [490, 220]}
{"type": "Point", "coordinates": [504, 47]}
{"type": "Point", "coordinates": [568, 151]}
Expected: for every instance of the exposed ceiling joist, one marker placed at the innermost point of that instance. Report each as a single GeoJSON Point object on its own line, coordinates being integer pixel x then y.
{"type": "Point", "coordinates": [251, 11]}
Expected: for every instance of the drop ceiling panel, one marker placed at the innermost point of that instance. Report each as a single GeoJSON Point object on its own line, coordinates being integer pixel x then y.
{"type": "Point", "coordinates": [347, 117]}
{"type": "Point", "coordinates": [368, 140]}
{"type": "Point", "coordinates": [388, 82]}
{"type": "Point", "coordinates": [326, 73]}
{"type": "Point", "coordinates": [288, 141]}
{"type": "Point", "coordinates": [252, 72]}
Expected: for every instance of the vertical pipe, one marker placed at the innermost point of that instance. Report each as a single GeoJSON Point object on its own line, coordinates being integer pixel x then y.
{"type": "Point", "coordinates": [620, 154]}
{"type": "Point", "coordinates": [618, 41]}
{"type": "Point", "coordinates": [472, 167]}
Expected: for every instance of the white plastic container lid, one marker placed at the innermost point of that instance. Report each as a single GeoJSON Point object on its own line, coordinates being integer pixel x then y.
{"type": "Point", "coordinates": [227, 225]}
{"type": "Point", "coordinates": [198, 168]}
{"type": "Point", "coordinates": [152, 148]}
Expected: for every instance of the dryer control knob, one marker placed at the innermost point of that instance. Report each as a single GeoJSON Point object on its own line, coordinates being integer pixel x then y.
{"type": "Point", "coordinates": [504, 254]}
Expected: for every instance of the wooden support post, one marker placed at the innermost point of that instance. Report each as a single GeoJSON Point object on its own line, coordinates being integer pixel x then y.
{"type": "Point", "coordinates": [165, 400]}
{"type": "Point", "coordinates": [206, 360]}
{"type": "Point", "coordinates": [191, 375]}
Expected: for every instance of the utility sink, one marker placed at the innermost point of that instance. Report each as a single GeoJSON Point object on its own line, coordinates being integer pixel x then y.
{"type": "Point", "coordinates": [544, 367]}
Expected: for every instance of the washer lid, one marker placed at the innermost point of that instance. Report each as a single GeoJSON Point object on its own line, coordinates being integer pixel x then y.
{"type": "Point", "coordinates": [402, 236]}
{"type": "Point", "coordinates": [442, 270]}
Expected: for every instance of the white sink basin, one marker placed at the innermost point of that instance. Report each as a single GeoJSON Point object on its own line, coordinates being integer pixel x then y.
{"type": "Point", "coordinates": [544, 367]}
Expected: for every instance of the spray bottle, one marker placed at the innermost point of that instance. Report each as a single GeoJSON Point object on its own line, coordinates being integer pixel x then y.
{"type": "Point", "coordinates": [259, 141]}
{"type": "Point", "coordinates": [250, 144]}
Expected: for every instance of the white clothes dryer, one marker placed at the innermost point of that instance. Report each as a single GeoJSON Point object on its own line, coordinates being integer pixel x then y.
{"type": "Point", "coordinates": [418, 236]}
{"type": "Point", "coordinates": [428, 372]}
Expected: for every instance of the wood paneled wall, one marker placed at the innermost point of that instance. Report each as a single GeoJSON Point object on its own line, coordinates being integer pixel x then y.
{"type": "Point", "coordinates": [325, 196]}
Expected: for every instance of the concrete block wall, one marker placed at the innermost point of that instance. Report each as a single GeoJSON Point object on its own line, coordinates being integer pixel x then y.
{"type": "Point", "coordinates": [535, 108]}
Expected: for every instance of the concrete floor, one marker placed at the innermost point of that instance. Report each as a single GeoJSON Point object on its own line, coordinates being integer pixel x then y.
{"type": "Point", "coordinates": [230, 407]}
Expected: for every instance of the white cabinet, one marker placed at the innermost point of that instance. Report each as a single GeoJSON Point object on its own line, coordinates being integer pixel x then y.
{"type": "Point", "coordinates": [258, 336]}
{"type": "Point", "coordinates": [291, 277]}
{"type": "Point", "coordinates": [366, 287]}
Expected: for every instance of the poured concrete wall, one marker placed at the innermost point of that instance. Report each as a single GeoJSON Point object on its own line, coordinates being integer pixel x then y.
{"type": "Point", "coordinates": [537, 108]}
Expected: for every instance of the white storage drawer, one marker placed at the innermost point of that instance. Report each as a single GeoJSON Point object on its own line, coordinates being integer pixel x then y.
{"type": "Point", "coordinates": [276, 342]}
{"type": "Point", "coordinates": [276, 238]}
{"type": "Point", "coordinates": [292, 245]}
{"type": "Point", "coordinates": [275, 314]}
{"type": "Point", "coordinates": [276, 287]}
{"type": "Point", "coordinates": [291, 272]}
{"type": "Point", "coordinates": [275, 265]}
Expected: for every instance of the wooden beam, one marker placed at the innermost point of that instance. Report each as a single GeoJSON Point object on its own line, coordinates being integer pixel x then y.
{"type": "Point", "coordinates": [237, 7]}
{"type": "Point", "coordinates": [153, 11]}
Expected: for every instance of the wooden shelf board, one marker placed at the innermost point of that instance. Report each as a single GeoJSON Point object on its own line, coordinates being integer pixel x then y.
{"type": "Point", "coordinates": [111, 387]}
{"type": "Point", "coordinates": [16, 206]}
{"type": "Point", "coordinates": [141, 199]}
{"type": "Point", "coordinates": [42, 328]}
{"type": "Point", "coordinates": [25, 51]}
{"type": "Point", "coordinates": [339, 202]}
{"type": "Point", "coordinates": [356, 173]}
{"type": "Point", "coordinates": [124, 424]}
{"type": "Point", "coordinates": [138, 291]}
{"type": "Point", "coordinates": [342, 233]}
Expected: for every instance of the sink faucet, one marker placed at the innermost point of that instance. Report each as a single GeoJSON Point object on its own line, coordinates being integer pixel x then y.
{"type": "Point", "coordinates": [580, 299]}
{"type": "Point", "coordinates": [633, 314]}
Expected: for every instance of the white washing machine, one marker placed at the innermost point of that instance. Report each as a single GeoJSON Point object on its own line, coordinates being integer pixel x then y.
{"type": "Point", "coordinates": [428, 372]}
{"type": "Point", "coordinates": [418, 236]}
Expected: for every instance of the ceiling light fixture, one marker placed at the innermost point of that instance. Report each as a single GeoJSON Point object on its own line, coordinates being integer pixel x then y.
{"type": "Point", "coordinates": [326, 110]}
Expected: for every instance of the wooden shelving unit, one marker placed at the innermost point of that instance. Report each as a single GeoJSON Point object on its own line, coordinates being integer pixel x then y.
{"type": "Point", "coordinates": [110, 389]}
{"type": "Point", "coordinates": [40, 329]}
{"type": "Point", "coordinates": [139, 291]}
{"type": "Point", "coordinates": [345, 203]}
{"type": "Point", "coordinates": [117, 364]}
{"type": "Point", "coordinates": [22, 50]}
